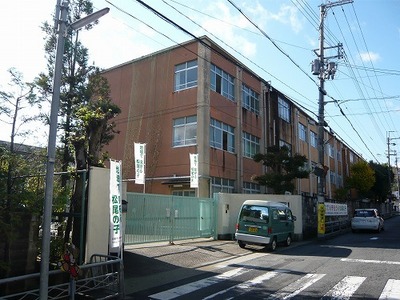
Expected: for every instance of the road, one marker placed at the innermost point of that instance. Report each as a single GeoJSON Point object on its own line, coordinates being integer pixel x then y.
{"type": "Point", "coordinates": [362, 265]}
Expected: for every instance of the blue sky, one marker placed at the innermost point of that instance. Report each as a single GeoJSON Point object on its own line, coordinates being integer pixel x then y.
{"type": "Point", "coordinates": [278, 44]}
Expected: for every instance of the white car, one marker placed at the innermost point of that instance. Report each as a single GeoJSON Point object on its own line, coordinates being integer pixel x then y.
{"type": "Point", "coordinates": [367, 219]}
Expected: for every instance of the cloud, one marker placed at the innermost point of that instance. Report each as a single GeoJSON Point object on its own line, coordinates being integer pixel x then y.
{"type": "Point", "coordinates": [369, 56]}
{"type": "Point", "coordinates": [229, 30]}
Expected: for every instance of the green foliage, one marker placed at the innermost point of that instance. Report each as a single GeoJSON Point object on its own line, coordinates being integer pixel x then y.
{"type": "Point", "coordinates": [381, 188]}
{"type": "Point", "coordinates": [283, 169]}
{"type": "Point", "coordinates": [362, 177]}
{"type": "Point", "coordinates": [85, 113]}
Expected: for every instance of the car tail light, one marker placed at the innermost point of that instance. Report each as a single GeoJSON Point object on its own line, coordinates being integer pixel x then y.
{"type": "Point", "coordinates": [269, 230]}
{"type": "Point", "coordinates": [237, 226]}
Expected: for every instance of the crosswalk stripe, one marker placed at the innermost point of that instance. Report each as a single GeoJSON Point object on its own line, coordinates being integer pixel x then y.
{"type": "Point", "coordinates": [196, 285]}
{"type": "Point", "coordinates": [345, 288]}
{"type": "Point", "coordinates": [245, 286]}
{"type": "Point", "coordinates": [297, 287]}
{"type": "Point", "coordinates": [391, 290]}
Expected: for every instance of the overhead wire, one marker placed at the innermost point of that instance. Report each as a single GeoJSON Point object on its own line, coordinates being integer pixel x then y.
{"type": "Point", "coordinates": [184, 30]}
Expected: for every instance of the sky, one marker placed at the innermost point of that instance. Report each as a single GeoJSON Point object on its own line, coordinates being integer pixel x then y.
{"type": "Point", "coordinates": [277, 39]}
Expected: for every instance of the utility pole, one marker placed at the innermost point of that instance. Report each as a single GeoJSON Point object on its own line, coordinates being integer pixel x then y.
{"type": "Point", "coordinates": [390, 153]}
{"type": "Point", "coordinates": [324, 70]}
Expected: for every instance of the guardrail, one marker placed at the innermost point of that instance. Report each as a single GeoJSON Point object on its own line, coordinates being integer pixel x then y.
{"type": "Point", "coordinates": [102, 278]}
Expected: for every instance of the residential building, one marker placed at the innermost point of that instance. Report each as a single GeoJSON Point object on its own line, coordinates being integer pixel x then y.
{"type": "Point", "coordinates": [197, 98]}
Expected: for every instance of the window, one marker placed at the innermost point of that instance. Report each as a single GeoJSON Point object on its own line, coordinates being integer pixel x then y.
{"type": "Point", "coordinates": [185, 131]}
{"type": "Point", "coordinates": [339, 155]}
{"type": "Point", "coordinates": [351, 157]}
{"type": "Point", "coordinates": [302, 132]}
{"type": "Point", "coordinates": [254, 213]}
{"type": "Point", "coordinates": [186, 75]}
{"type": "Point", "coordinates": [222, 185]}
{"type": "Point", "coordinates": [185, 193]}
{"type": "Point", "coordinates": [222, 83]}
{"type": "Point", "coordinates": [251, 188]}
{"type": "Point", "coordinates": [222, 136]}
{"type": "Point", "coordinates": [250, 100]}
{"type": "Point", "coordinates": [313, 139]}
{"type": "Point", "coordinates": [283, 143]}
{"type": "Point", "coordinates": [331, 150]}
{"type": "Point", "coordinates": [251, 145]}
{"type": "Point", "coordinates": [332, 177]}
{"type": "Point", "coordinates": [283, 110]}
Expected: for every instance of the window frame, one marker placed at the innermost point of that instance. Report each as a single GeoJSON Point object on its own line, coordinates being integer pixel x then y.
{"type": "Point", "coordinates": [187, 123]}
{"type": "Point", "coordinates": [250, 145]}
{"type": "Point", "coordinates": [302, 132]}
{"type": "Point", "coordinates": [222, 82]}
{"type": "Point", "coordinates": [313, 139]}
{"type": "Point", "coordinates": [226, 140]}
{"type": "Point", "coordinates": [186, 71]}
{"type": "Point", "coordinates": [284, 109]}
{"type": "Point", "coordinates": [250, 99]}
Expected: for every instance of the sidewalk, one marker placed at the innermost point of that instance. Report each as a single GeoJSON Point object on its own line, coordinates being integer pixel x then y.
{"type": "Point", "coordinates": [154, 264]}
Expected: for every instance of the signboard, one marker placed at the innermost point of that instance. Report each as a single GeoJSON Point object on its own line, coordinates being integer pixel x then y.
{"type": "Point", "coordinates": [140, 163]}
{"type": "Point", "coordinates": [321, 218]}
{"type": "Point", "coordinates": [115, 236]}
{"type": "Point", "coordinates": [194, 170]}
{"type": "Point", "coordinates": [335, 209]}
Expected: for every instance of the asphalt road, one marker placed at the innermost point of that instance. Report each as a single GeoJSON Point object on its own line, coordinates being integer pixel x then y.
{"type": "Point", "coordinates": [363, 265]}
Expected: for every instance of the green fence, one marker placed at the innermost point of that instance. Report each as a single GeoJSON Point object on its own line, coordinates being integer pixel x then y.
{"type": "Point", "coordinates": [153, 218]}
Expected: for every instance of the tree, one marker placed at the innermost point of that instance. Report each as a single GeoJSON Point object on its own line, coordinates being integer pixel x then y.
{"type": "Point", "coordinates": [381, 188]}
{"type": "Point", "coordinates": [18, 192]}
{"type": "Point", "coordinates": [282, 169]}
{"type": "Point", "coordinates": [362, 177]}
{"type": "Point", "coordinates": [85, 111]}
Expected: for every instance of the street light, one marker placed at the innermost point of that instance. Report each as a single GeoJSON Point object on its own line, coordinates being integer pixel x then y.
{"type": "Point", "coordinates": [51, 148]}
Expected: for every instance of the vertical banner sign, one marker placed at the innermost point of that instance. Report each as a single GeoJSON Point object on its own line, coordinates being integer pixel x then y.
{"type": "Point", "coordinates": [115, 206]}
{"type": "Point", "coordinates": [194, 170]}
{"type": "Point", "coordinates": [321, 218]}
{"type": "Point", "coordinates": [140, 159]}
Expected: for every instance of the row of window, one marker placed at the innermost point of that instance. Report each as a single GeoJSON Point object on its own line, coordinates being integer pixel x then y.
{"type": "Point", "coordinates": [222, 185]}
{"type": "Point", "coordinates": [222, 136]}
{"type": "Point", "coordinates": [220, 82]}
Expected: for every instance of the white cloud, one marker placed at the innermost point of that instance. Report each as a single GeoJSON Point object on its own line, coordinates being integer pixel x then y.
{"type": "Point", "coordinates": [369, 56]}
{"type": "Point", "coordinates": [226, 31]}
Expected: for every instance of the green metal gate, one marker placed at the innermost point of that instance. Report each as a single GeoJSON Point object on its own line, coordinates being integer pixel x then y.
{"type": "Point", "coordinates": [154, 218]}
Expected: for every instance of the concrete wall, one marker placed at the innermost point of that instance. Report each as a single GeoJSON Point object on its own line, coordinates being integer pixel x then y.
{"type": "Point", "coordinates": [228, 206]}
{"type": "Point", "coordinates": [98, 222]}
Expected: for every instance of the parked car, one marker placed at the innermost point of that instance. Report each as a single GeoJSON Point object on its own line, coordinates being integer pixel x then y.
{"type": "Point", "coordinates": [367, 219]}
{"type": "Point", "coordinates": [264, 223]}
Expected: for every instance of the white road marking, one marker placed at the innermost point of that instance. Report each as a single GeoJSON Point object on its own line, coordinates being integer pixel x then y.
{"type": "Point", "coordinates": [345, 288]}
{"type": "Point", "coordinates": [196, 285]}
{"type": "Point", "coordinates": [229, 262]}
{"type": "Point", "coordinates": [371, 261]}
{"type": "Point", "coordinates": [297, 287]}
{"type": "Point", "coordinates": [391, 290]}
{"type": "Point", "coordinates": [245, 286]}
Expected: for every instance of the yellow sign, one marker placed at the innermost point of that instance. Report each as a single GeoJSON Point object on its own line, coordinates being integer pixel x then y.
{"type": "Point", "coordinates": [321, 218]}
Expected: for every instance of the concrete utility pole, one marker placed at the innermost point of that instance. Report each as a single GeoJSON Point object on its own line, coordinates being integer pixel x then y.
{"type": "Point", "coordinates": [390, 153]}
{"type": "Point", "coordinates": [324, 70]}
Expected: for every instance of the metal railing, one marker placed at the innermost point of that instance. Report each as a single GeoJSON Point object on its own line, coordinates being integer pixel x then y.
{"type": "Point", "coordinates": [102, 278]}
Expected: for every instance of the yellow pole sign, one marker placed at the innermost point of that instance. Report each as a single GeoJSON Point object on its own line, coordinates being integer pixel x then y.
{"type": "Point", "coordinates": [321, 218]}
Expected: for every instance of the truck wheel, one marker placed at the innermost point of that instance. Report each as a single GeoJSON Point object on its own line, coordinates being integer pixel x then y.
{"type": "Point", "coordinates": [288, 241]}
{"type": "Point", "coordinates": [273, 244]}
